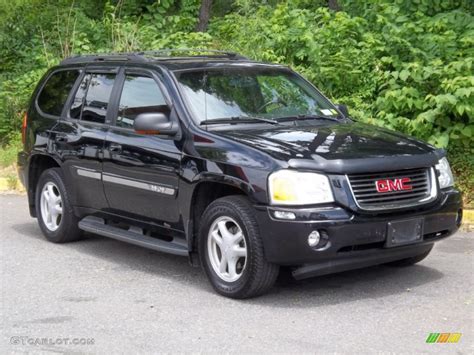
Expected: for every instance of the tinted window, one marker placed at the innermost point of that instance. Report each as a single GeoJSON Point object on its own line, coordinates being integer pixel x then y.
{"type": "Point", "coordinates": [140, 94]}
{"type": "Point", "coordinates": [56, 90]}
{"type": "Point", "coordinates": [97, 97]}
{"type": "Point", "coordinates": [267, 93]}
{"type": "Point", "coordinates": [78, 102]}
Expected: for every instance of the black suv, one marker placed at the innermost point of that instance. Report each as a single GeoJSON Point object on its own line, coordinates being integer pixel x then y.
{"type": "Point", "coordinates": [241, 166]}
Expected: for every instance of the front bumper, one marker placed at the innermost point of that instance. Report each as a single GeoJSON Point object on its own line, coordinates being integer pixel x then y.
{"type": "Point", "coordinates": [354, 240]}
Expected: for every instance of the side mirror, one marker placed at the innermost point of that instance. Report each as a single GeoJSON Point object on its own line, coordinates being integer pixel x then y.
{"type": "Point", "coordinates": [155, 123]}
{"type": "Point", "coordinates": [343, 108]}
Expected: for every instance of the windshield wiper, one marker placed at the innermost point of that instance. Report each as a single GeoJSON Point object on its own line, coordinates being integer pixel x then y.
{"type": "Point", "coordinates": [237, 119]}
{"type": "Point", "coordinates": [306, 117]}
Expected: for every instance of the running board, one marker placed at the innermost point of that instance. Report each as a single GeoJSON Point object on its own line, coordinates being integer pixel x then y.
{"type": "Point", "coordinates": [133, 236]}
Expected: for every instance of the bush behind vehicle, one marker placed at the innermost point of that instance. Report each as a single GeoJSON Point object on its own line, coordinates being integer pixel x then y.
{"type": "Point", "coordinates": [405, 66]}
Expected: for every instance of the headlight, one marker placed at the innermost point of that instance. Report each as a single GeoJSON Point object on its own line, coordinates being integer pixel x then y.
{"type": "Point", "coordinates": [289, 187]}
{"type": "Point", "coordinates": [445, 177]}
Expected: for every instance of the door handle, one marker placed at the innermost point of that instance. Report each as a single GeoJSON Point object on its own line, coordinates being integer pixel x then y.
{"type": "Point", "coordinates": [115, 148]}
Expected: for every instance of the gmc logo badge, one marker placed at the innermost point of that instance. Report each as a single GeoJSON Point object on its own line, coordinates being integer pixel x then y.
{"type": "Point", "coordinates": [388, 185]}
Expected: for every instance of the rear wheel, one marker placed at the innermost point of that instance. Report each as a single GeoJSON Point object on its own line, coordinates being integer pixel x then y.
{"type": "Point", "coordinates": [410, 261]}
{"type": "Point", "coordinates": [231, 250]}
{"type": "Point", "coordinates": [55, 214]}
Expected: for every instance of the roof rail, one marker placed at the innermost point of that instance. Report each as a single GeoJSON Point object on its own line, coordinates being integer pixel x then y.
{"type": "Point", "coordinates": [213, 52]}
{"type": "Point", "coordinates": [145, 56]}
{"type": "Point", "coordinates": [100, 57]}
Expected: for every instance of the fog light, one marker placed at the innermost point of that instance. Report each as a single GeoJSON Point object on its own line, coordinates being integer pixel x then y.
{"type": "Point", "coordinates": [284, 215]}
{"type": "Point", "coordinates": [313, 238]}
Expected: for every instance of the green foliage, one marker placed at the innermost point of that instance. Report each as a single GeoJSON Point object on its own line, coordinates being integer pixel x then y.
{"type": "Point", "coordinates": [14, 97]}
{"type": "Point", "coordinates": [463, 167]}
{"type": "Point", "coordinates": [403, 64]}
{"type": "Point", "coordinates": [426, 88]}
{"type": "Point", "coordinates": [8, 152]}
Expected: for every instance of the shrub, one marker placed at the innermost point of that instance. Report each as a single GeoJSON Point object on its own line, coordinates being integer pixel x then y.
{"type": "Point", "coordinates": [406, 65]}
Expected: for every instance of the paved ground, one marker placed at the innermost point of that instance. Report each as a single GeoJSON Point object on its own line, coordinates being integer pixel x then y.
{"type": "Point", "coordinates": [130, 300]}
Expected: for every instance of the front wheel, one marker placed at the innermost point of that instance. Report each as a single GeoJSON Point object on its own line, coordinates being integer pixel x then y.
{"type": "Point", "coordinates": [231, 250]}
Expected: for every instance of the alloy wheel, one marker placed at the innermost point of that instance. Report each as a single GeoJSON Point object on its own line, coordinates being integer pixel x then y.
{"type": "Point", "coordinates": [51, 206]}
{"type": "Point", "coordinates": [227, 249]}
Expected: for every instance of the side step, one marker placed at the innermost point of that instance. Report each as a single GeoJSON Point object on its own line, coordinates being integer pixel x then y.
{"type": "Point", "coordinates": [132, 236]}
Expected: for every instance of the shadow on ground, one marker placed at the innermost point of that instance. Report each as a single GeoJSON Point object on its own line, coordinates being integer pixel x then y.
{"type": "Point", "coordinates": [352, 286]}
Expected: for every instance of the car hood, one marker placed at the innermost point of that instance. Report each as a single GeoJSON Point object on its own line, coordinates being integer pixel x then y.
{"type": "Point", "coordinates": [338, 147]}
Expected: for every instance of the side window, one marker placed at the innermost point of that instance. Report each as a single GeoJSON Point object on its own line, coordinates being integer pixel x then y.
{"type": "Point", "coordinates": [140, 94]}
{"type": "Point", "coordinates": [78, 102]}
{"type": "Point", "coordinates": [92, 98]}
{"type": "Point", "coordinates": [97, 97]}
{"type": "Point", "coordinates": [54, 94]}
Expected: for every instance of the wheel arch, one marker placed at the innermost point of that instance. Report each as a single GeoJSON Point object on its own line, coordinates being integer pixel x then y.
{"type": "Point", "coordinates": [38, 163]}
{"type": "Point", "coordinates": [204, 193]}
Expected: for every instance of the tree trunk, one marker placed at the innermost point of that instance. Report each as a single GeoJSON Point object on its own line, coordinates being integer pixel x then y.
{"type": "Point", "coordinates": [204, 14]}
{"type": "Point", "coordinates": [333, 5]}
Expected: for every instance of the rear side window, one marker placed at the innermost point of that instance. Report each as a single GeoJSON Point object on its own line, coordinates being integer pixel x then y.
{"type": "Point", "coordinates": [54, 94]}
{"type": "Point", "coordinates": [140, 94]}
{"type": "Point", "coordinates": [78, 102]}
{"type": "Point", "coordinates": [92, 98]}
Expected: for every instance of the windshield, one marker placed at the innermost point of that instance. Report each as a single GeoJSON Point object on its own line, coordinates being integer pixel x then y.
{"type": "Point", "coordinates": [247, 93]}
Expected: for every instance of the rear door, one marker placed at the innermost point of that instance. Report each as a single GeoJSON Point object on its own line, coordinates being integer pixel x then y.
{"type": "Point", "coordinates": [141, 172]}
{"type": "Point", "coordinates": [79, 137]}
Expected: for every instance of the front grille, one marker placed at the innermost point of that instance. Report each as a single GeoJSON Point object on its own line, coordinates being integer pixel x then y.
{"type": "Point", "coordinates": [367, 197]}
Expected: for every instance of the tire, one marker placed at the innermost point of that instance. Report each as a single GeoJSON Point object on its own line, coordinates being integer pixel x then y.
{"type": "Point", "coordinates": [64, 227]}
{"type": "Point", "coordinates": [243, 276]}
{"type": "Point", "coordinates": [410, 261]}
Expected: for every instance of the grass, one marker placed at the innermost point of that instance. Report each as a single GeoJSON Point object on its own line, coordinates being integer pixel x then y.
{"type": "Point", "coordinates": [9, 152]}
{"type": "Point", "coordinates": [8, 156]}
{"type": "Point", "coordinates": [12, 181]}
{"type": "Point", "coordinates": [9, 181]}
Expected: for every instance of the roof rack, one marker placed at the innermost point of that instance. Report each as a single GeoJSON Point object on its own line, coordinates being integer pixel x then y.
{"type": "Point", "coordinates": [146, 56]}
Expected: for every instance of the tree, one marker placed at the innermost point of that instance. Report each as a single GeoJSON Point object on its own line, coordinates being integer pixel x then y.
{"type": "Point", "coordinates": [204, 14]}
{"type": "Point", "coordinates": [333, 5]}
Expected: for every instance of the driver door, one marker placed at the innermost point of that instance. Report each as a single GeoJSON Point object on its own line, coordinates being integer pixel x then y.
{"type": "Point", "coordinates": [141, 172]}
